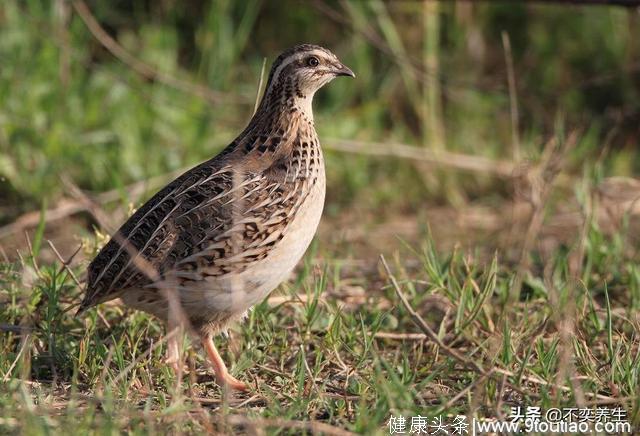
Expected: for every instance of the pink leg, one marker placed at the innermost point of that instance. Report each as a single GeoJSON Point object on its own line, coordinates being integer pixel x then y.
{"type": "Point", "coordinates": [222, 374]}
{"type": "Point", "coordinates": [173, 354]}
{"type": "Point", "coordinates": [173, 357]}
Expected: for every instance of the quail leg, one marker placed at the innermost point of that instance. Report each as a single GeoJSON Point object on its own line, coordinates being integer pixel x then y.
{"type": "Point", "coordinates": [222, 374]}
{"type": "Point", "coordinates": [173, 357]}
{"type": "Point", "coordinates": [173, 354]}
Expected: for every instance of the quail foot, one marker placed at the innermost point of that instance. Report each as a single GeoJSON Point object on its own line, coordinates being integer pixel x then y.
{"type": "Point", "coordinates": [223, 235]}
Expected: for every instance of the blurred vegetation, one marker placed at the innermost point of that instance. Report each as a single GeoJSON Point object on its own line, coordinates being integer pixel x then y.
{"type": "Point", "coordinates": [70, 107]}
{"type": "Point", "coordinates": [334, 345]}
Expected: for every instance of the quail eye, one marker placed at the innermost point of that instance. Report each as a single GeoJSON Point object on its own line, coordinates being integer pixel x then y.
{"type": "Point", "coordinates": [313, 61]}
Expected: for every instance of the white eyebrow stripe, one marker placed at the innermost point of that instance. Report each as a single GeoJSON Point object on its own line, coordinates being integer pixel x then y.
{"type": "Point", "coordinates": [296, 57]}
{"type": "Point", "coordinates": [284, 64]}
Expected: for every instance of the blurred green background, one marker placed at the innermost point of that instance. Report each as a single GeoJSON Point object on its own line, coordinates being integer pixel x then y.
{"type": "Point", "coordinates": [441, 142]}
{"type": "Point", "coordinates": [430, 75]}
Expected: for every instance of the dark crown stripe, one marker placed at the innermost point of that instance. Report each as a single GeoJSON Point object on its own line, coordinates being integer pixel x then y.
{"type": "Point", "coordinates": [288, 53]}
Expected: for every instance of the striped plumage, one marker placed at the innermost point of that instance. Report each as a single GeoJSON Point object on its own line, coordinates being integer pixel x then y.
{"type": "Point", "coordinates": [223, 235]}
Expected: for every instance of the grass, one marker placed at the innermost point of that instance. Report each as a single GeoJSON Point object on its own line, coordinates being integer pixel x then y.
{"type": "Point", "coordinates": [333, 346]}
{"type": "Point", "coordinates": [552, 322]}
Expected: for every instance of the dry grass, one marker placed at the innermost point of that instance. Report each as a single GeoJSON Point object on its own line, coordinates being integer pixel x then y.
{"type": "Point", "coordinates": [502, 282]}
{"type": "Point", "coordinates": [339, 348]}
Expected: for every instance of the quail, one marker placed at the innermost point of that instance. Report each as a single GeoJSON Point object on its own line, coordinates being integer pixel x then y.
{"type": "Point", "coordinates": [223, 235]}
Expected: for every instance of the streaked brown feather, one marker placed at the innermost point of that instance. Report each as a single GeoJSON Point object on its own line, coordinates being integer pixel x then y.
{"type": "Point", "coordinates": [222, 217]}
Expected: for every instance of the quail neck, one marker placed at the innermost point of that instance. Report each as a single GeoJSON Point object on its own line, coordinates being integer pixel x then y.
{"type": "Point", "coordinates": [285, 111]}
{"type": "Point", "coordinates": [223, 235]}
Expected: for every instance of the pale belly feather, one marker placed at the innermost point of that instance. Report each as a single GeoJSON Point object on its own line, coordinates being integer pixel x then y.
{"type": "Point", "coordinates": [277, 267]}
{"type": "Point", "coordinates": [236, 293]}
{"type": "Point", "coordinates": [226, 297]}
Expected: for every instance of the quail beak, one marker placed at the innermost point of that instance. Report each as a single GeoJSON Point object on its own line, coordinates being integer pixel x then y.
{"type": "Point", "coordinates": [341, 70]}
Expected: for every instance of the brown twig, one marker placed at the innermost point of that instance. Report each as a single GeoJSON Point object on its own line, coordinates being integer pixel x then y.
{"type": "Point", "coordinates": [66, 263]}
{"type": "Point", "coordinates": [64, 208]}
{"type": "Point", "coordinates": [513, 96]}
{"type": "Point", "coordinates": [63, 12]}
{"type": "Point", "coordinates": [140, 67]}
{"type": "Point", "coordinates": [400, 336]}
{"type": "Point", "coordinates": [421, 323]}
{"type": "Point", "coordinates": [32, 254]}
{"type": "Point", "coordinates": [541, 184]}
{"type": "Point", "coordinates": [23, 347]}
{"type": "Point", "coordinates": [472, 364]}
{"type": "Point", "coordinates": [464, 391]}
{"type": "Point", "coordinates": [259, 89]}
{"type": "Point", "coordinates": [459, 161]}
{"type": "Point", "coordinates": [70, 206]}
{"type": "Point", "coordinates": [141, 263]}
